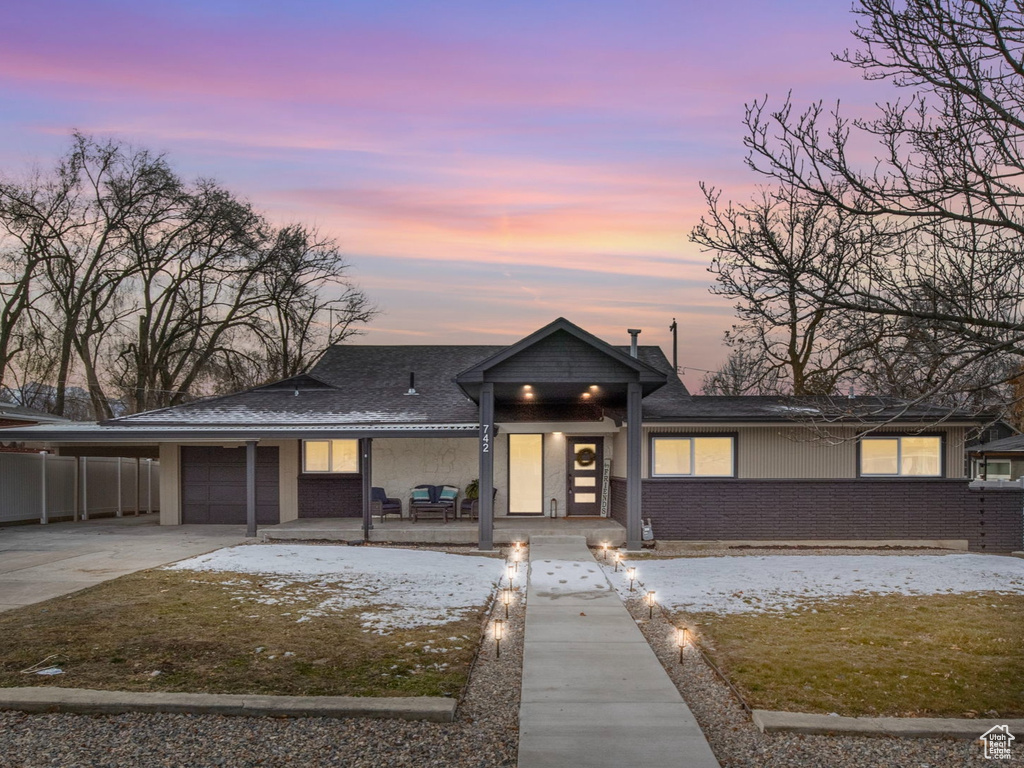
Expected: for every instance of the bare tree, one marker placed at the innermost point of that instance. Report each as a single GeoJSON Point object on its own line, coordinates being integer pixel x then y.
{"type": "Point", "coordinates": [782, 258]}
{"type": "Point", "coordinates": [158, 290]}
{"type": "Point", "coordinates": [744, 372]}
{"type": "Point", "coordinates": [947, 176]}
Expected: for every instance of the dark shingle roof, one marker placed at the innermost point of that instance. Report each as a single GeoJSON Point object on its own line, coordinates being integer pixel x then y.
{"type": "Point", "coordinates": [1012, 444]}
{"type": "Point", "coordinates": [367, 384]}
{"type": "Point", "coordinates": [15, 412]}
{"type": "Point", "coordinates": [774, 408]}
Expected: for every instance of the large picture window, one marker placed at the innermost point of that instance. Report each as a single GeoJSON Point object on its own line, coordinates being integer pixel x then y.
{"type": "Point", "coordinates": [673, 456]}
{"type": "Point", "coordinates": [901, 457]}
{"type": "Point", "coordinates": [330, 455]}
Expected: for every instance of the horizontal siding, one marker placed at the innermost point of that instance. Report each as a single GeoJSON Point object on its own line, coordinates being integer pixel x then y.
{"type": "Point", "coordinates": [795, 453]}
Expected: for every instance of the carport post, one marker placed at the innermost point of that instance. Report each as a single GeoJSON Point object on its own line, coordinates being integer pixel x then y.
{"type": "Point", "coordinates": [366, 468]}
{"type": "Point", "coordinates": [138, 485]}
{"type": "Point", "coordinates": [120, 507]}
{"type": "Point", "coordinates": [250, 488]}
{"type": "Point", "coordinates": [486, 482]}
{"type": "Point", "coordinates": [85, 487]}
{"type": "Point", "coordinates": [44, 516]}
{"type": "Point", "coordinates": [149, 486]}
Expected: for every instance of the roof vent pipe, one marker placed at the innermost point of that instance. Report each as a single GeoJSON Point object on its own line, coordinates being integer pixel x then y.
{"type": "Point", "coordinates": [412, 384]}
{"type": "Point", "coordinates": [851, 395]}
{"type": "Point", "coordinates": [633, 333]}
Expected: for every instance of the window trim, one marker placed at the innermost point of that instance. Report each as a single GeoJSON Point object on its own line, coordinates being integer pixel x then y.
{"type": "Point", "coordinates": [734, 436]}
{"type": "Point", "coordinates": [330, 450]}
{"type": "Point", "coordinates": [899, 454]}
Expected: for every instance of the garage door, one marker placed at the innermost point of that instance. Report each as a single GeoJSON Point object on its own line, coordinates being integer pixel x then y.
{"type": "Point", "coordinates": [213, 485]}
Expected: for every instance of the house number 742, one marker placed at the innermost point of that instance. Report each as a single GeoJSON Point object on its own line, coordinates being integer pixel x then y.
{"type": "Point", "coordinates": [485, 438]}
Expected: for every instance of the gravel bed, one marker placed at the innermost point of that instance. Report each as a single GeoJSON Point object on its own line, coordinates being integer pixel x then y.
{"type": "Point", "coordinates": [485, 734]}
{"type": "Point", "coordinates": [737, 743]}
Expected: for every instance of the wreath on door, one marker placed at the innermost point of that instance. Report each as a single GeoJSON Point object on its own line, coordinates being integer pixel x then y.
{"type": "Point", "coordinates": [585, 457]}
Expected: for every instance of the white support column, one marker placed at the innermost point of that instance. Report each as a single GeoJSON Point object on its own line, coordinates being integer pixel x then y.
{"type": "Point", "coordinates": [138, 486]}
{"type": "Point", "coordinates": [44, 514]}
{"type": "Point", "coordinates": [84, 461]}
{"type": "Point", "coordinates": [149, 486]}
{"type": "Point", "coordinates": [120, 506]}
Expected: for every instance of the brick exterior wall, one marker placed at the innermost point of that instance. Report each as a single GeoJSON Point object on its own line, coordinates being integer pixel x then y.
{"type": "Point", "coordinates": [330, 496]}
{"type": "Point", "coordinates": [989, 519]}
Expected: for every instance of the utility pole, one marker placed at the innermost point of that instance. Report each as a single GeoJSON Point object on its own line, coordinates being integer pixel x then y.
{"type": "Point", "coordinates": [675, 345]}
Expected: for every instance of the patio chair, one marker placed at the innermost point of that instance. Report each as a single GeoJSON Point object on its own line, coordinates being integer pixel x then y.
{"type": "Point", "coordinates": [471, 507]}
{"type": "Point", "coordinates": [381, 505]}
{"type": "Point", "coordinates": [433, 500]}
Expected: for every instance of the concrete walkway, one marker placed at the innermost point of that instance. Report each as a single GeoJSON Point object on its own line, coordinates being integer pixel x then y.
{"type": "Point", "coordinates": [38, 562]}
{"type": "Point", "coordinates": [594, 694]}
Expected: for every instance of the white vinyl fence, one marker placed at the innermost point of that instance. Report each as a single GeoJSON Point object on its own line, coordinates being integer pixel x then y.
{"type": "Point", "coordinates": [38, 486]}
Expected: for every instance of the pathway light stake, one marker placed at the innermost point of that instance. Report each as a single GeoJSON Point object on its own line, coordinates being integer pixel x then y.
{"type": "Point", "coordinates": [499, 632]}
{"type": "Point", "coordinates": [682, 640]}
{"type": "Point", "coordinates": [604, 551]}
{"type": "Point", "coordinates": [631, 575]}
{"type": "Point", "coordinates": [650, 604]}
{"type": "Point", "coordinates": [515, 559]}
{"type": "Point", "coordinates": [506, 598]}
{"type": "Point", "coordinates": [617, 557]}
{"type": "Point", "coordinates": [511, 572]}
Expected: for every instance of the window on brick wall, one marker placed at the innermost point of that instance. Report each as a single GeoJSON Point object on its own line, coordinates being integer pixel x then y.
{"type": "Point", "coordinates": [676, 456]}
{"type": "Point", "coordinates": [330, 456]}
{"type": "Point", "coordinates": [915, 456]}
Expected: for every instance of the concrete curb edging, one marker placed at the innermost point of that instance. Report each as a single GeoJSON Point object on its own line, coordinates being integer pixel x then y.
{"type": "Point", "coordinates": [901, 727]}
{"type": "Point", "coordinates": [83, 701]}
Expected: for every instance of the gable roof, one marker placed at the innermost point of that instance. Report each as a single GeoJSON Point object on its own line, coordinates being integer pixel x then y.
{"type": "Point", "coordinates": [561, 368]}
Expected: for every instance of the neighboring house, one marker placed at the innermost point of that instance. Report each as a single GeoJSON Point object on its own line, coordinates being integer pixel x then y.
{"type": "Point", "coordinates": [563, 423]}
{"type": "Point", "coordinates": [13, 415]}
{"type": "Point", "coordinates": [998, 459]}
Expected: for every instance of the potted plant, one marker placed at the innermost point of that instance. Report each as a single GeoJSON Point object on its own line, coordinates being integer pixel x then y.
{"type": "Point", "coordinates": [473, 490]}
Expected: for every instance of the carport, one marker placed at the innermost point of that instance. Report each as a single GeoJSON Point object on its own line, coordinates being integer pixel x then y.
{"type": "Point", "coordinates": [229, 474]}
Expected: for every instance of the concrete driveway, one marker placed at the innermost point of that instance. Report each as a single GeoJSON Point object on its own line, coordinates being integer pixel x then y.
{"type": "Point", "coordinates": [38, 562]}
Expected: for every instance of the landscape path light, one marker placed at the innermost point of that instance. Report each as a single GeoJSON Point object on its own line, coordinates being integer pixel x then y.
{"type": "Point", "coordinates": [682, 640]}
{"type": "Point", "coordinates": [617, 557]}
{"type": "Point", "coordinates": [499, 632]}
{"type": "Point", "coordinates": [604, 551]}
{"type": "Point", "coordinates": [650, 604]}
{"type": "Point", "coordinates": [511, 572]}
{"type": "Point", "coordinates": [631, 575]}
{"type": "Point", "coordinates": [506, 598]}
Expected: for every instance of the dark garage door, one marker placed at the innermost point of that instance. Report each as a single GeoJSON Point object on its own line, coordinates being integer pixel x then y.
{"type": "Point", "coordinates": [213, 485]}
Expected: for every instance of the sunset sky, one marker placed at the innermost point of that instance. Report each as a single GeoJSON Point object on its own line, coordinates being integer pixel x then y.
{"type": "Point", "coordinates": [486, 166]}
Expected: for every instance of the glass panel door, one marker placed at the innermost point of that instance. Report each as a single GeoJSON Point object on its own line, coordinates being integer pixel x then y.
{"type": "Point", "coordinates": [583, 476]}
{"type": "Point", "coordinates": [526, 474]}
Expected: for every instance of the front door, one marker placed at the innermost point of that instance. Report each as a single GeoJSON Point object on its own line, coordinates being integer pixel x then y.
{"type": "Point", "coordinates": [584, 463]}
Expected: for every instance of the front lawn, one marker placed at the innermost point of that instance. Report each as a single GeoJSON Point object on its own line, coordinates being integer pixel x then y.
{"type": "Point", "coordinates": [892, 655]}
{"type": "Point", "coordinates": [876, 635]}
{"type": "Point", "coordinates": [273, 619]}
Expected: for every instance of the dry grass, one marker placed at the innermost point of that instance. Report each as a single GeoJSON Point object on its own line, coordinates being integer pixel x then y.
{"type": "Point", "coordinates": [186, 626]}
{"type": "Point", "coordinates": [931, 656]}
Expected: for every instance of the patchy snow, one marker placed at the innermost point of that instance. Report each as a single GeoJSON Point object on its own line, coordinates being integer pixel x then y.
{"type": "Point", "coordinates": [565, 578]}
{"type": "Point", "coordinates": [398, 588]}
{"type": "Point", "coordinates": [782, 582]}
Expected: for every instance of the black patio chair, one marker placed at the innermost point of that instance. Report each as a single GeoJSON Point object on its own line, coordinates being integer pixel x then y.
{"type": "Point", "coordinates": [381, 505]}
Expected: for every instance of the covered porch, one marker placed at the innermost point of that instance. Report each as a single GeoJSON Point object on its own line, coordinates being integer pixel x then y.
{"type": "Point", "coordinates": [457, 532]}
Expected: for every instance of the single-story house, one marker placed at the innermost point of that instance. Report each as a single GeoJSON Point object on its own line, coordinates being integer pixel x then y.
{"type": "Point", "coordinates": [564, 424]}
{"type": "Point", "coordinates": [1001, 459]}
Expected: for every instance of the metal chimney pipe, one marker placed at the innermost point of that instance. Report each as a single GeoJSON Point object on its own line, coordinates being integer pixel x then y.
{"type": "Point", "coordinates": [412, 384]}
{"type": "Point", "coordinates": [633, 333]}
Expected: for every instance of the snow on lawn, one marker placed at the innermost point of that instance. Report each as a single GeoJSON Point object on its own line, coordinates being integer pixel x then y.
{"type": "Point", "coordinates": [399, 588]}
{"type": "Point", "coordinates": [780, 582]}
